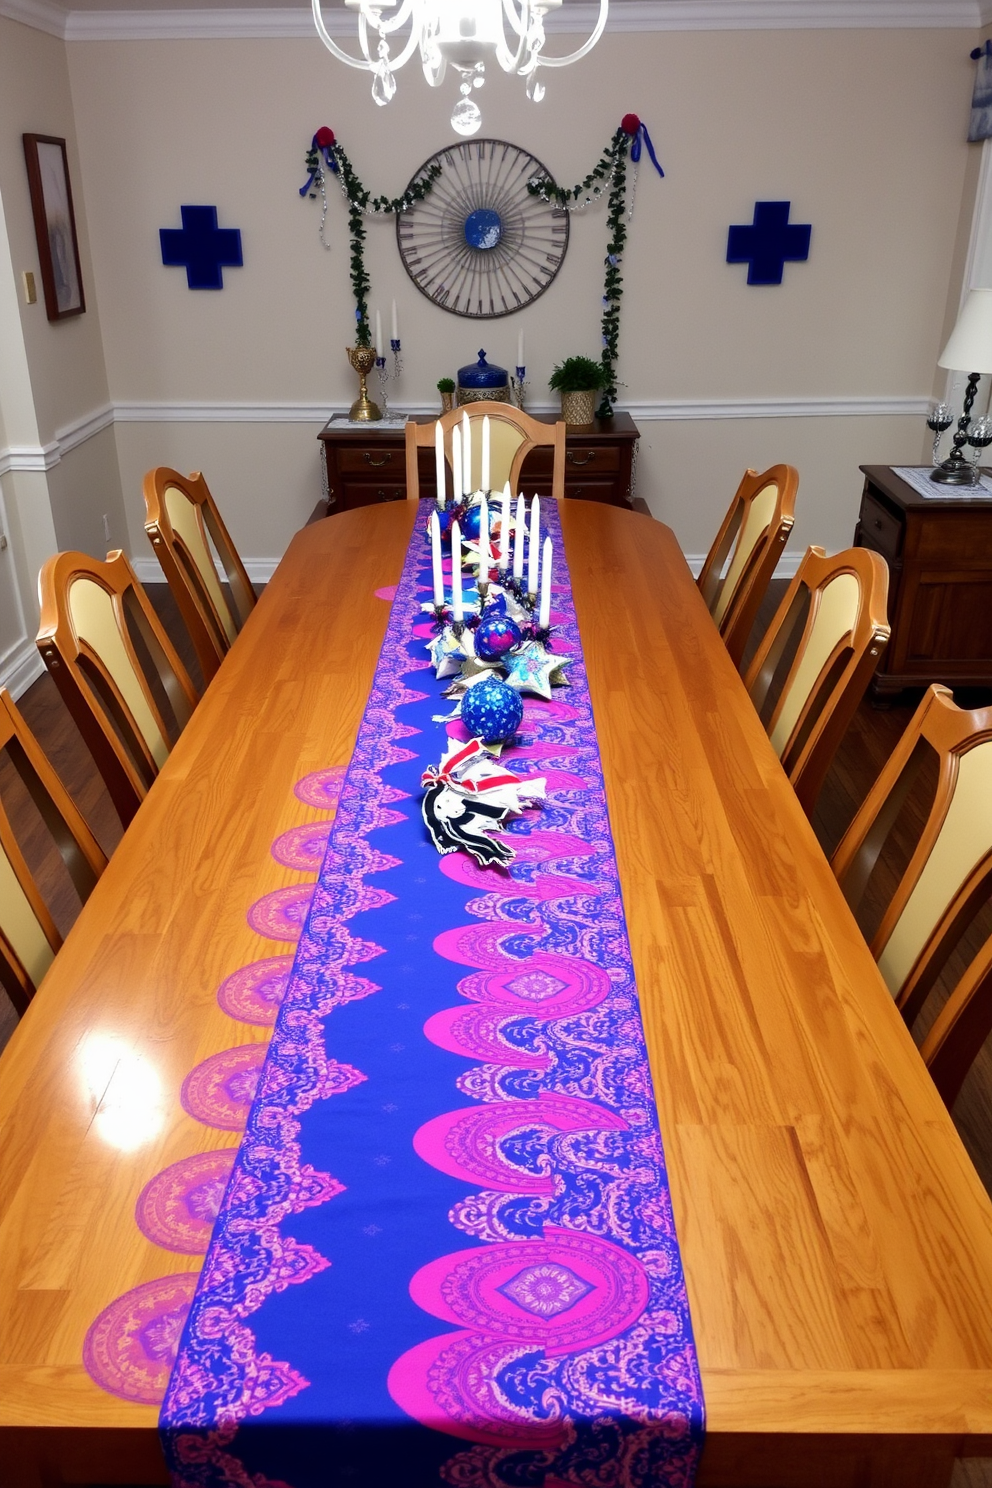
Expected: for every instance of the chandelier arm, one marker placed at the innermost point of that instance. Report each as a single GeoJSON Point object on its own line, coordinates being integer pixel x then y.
{"type": "Point", "coordinates": [398, 20]}
{"type": "Point", "coordinates": [363, 65]}
{"type": "Point", "coordinates": [510, 61]}
{"type": "Point", "coordinates": [518, 24]}
{"type": "Point", "coordinates": [543, 61]}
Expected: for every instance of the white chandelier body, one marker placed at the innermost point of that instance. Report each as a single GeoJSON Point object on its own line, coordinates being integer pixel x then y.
{"type": "Point", "coordinates": [462, 34]}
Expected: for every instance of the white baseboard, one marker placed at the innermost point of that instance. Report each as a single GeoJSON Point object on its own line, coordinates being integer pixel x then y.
{"type": "Point", "coordinates": [260, 570]}
{"type": "Point", "coordinates": [788, 564]}
{"type": "Point", "coordinates": [21, 666]}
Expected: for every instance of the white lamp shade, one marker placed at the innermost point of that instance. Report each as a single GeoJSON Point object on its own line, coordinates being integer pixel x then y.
{"type": "Point", "coordinates": [970, 346]}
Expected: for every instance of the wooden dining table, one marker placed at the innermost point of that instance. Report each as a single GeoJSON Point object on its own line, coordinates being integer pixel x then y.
{"type": "Point", "coordinates": [836, 1239]}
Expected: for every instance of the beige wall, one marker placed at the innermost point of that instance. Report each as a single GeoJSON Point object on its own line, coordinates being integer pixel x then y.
{"type": "Point", "coordinates": [54, 374]}
{"type": "Point", "coordinates": [863, 131]}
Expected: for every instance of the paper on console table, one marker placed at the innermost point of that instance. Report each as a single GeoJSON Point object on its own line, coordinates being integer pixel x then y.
{"type": "Point", "coordinates": [383, 423]}
{"type": "Point", "coordinates": [919, 478]}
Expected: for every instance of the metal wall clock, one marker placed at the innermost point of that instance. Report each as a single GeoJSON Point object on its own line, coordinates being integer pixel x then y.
{"type": "Point", "coordinates": [479, 244]}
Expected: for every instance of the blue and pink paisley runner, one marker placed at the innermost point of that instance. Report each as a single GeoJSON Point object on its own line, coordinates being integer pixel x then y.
{"type": "Point", "coordinates": [446, 1254]}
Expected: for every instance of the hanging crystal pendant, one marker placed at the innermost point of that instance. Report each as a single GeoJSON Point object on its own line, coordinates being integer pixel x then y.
{"type": "Point", "coordinates": [535, 88]}
{"type": "Point", "coordinates": [383, 84]}
{"type": "Point", "coordinates": [466, 116]}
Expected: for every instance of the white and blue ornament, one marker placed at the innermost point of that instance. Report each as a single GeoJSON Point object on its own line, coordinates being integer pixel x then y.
{"type": "Point", "coordinates": [492, 712]}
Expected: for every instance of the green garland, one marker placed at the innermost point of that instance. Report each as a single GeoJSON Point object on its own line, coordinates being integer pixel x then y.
{"type": "Point", "coordinates": [361, 204]}
{"type": "Point", "coordinates": [611, 166]}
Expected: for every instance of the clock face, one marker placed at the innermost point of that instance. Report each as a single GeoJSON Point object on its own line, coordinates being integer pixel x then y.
{"type": "Point", "coordinates": [479, 244]}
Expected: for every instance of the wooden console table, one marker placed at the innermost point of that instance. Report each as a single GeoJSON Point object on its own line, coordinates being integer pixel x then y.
{"type": "Point", "coordinates": [367, 465]}
{"type": "Point", "coordinates": [939, 554]}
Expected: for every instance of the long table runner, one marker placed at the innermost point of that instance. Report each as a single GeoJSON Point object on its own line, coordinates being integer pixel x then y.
{"type": "Point", "coordinates": [446, 1253]}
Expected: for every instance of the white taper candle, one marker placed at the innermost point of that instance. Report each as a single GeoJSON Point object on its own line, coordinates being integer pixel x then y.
{"type": "Point", "coordinates": [378, 334]}
{"type": "Point", "coordinates": [484, 539]}
{"type": "Point", "coordinates": [534, 550]}
{"type": "Point", "coordinates": [518, 541]}
{"type": "Point", "coordinates": [437, 571]}
{"type": "Point", "coordinates": [485, 452]}
{"type": "Point", "coordinates": [544, 611]}
{"type": "Point", "coordinates": [396, 324]}
{"type": "Point", "coordinates": [457, 608]}
{"type": "Point", "coordinates": [520, 349]}
{"type": "Point", "coordinates": [467, 455]}
{"type": "Point", "coordinates": [456, 465]}
{"type": "Point", "coordinates": [504, 529]}
{"type": "Point", "coordinates": [439, 462]}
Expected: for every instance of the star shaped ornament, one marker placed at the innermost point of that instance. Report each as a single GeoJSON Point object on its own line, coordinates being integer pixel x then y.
{"type": "Point", "coordinates": [449, 651]}
{"type": "Point", "coordinates": [535, 670]}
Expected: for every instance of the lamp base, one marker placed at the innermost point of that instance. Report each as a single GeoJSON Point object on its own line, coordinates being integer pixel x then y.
{"type": "Point", "coordinates": [955, 473]}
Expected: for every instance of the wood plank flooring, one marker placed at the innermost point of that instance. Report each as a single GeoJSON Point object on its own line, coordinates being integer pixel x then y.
{"type": "Point", "coordinates": [868, 743]}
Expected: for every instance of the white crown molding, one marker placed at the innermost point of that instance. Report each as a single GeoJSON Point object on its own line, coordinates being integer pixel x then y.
{"type": "Point", "coordinates": [572, 18]}
{"type": "Point", "coordinates": [41, 15]}
{"type": "Point", "coordinates": [33, 458]}
{"type": "Point", "coordinates": [224, 413]}
{"type": "Point", "coordinates": [20, 666]}
{"type": "Point", "coordinates": [71, 436]}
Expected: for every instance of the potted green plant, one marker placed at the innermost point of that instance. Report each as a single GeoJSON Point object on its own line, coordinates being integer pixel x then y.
{"type": "Point", "coordinates": [446, 387]}
{"type": "Point", "coordinates": [578, 379]}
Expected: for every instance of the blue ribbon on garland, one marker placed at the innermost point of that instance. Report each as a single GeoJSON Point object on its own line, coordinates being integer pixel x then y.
{"type": "Point", "coordinates": [635, 148]}
{"type": "Point", "coordinates": [331, 163]}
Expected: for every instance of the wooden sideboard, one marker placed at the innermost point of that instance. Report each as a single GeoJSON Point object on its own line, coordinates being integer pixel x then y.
{"type": "Point", "coordinates": [939, 553]}
{"type": "Point", "coordinates": [367, 465]}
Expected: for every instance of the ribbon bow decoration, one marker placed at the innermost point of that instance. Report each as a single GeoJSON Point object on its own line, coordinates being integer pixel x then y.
{"type": "Point", "coordinates": [466, 798]}
{"type": "Point", "coordinates": [322, 144]}
{"type": "Point", "coordinates": [631, 124]}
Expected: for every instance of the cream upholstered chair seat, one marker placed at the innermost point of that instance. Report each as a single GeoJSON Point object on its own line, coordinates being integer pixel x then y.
{"type": "Point", "coordinates": [735, 577]}
{"type": "Point", "coordinates": [833, 615]}
{"type": "Point", "coordinates": [29, 938]}
{"type": "Point", "coordinates": [512, 436]}
{"type": "Point", "coordinates": [94, 617]}
{"type": "Point", "coordinates": [187, 531]}
{"type": "Point", "coordinates": [950, 871]}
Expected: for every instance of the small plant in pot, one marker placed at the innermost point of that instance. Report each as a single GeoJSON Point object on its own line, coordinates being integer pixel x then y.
{"type": "Point", "coordinates": [446, 387]}
{"type": "Point", "coordinates": [578, 379]}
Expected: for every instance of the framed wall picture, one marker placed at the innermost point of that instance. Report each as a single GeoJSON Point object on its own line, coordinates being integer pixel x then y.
{"type": "Point", "coordinates": [54, 225]}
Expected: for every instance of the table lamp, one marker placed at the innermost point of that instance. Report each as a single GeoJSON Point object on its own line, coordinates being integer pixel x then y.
{"type": "Point", "coordinates": [968, 350]}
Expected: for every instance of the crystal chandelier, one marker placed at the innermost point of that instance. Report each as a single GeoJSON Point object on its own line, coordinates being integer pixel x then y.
{"type": "Point", "coordinates": [463, 34]}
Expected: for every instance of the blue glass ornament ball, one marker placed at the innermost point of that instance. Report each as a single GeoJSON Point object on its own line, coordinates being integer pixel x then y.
{"type": "Point", "coordinates": [495, 635]}
{"type": "Point", "coordinates": [444, 522]}
{"type": "Point", "coordinates": [471, 522]}
{"type": "Point", "coordinates": [492, 711]}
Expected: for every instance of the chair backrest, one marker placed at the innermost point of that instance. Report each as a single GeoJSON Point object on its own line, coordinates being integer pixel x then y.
{"type": "Point", "coordinates": [512, 436]}
{"type": "Point", "coordinates": [740, 564]}
{"type": "Point", "coordinates": [950, 871]}
{"type": "Point", "coordinates": [834, 614]}
{"type": "Point", "coordinates": [961, 1027]}
{"type": "Point", "coordinates": [28, 935]}
{"type": "Point", "coordinates": [182, 522]}
{"type": "Point", "coordinates": [91, 615]}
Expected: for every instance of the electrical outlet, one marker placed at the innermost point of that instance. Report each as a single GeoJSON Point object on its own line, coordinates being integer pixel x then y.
{"type": "Point", "coordinates": [30, 290]}
{"type": "Point", "coordinates": [106, 528]}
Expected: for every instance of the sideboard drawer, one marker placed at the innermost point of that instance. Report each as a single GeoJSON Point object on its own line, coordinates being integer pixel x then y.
{"type": "Point", "coordinates": [882, 530]}
{"type": "Point", "coordinates": [592, 459]}
{"type": "Point", "coordinates": [370, 461]}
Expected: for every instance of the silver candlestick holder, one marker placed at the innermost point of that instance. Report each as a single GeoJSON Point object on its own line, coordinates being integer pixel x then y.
{"type": "Point", "coordinates": [518, 385]}
{"type": "Point", "coordinates": [397, 351]}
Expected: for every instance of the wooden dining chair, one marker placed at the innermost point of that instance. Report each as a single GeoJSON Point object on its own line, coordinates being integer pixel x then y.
{"type": "Point", "coordinates": [816, 659]}
{"type": "Point", "coordinates": [182, 522]}
{"type": "Point", "coordinates": [94, 618]}
{"type": "Point", "coordinates": [948, 877]}
{"type": "Point", "coordinates": [512, 436]}
{"type": "Point", "coordinates": [29, 938]}
{"type": "Point", "coordinates": [739, 566]}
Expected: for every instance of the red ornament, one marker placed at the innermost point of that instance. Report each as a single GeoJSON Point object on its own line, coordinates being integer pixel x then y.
{"type": "Point", "coordinates": [630, 124]}
{"type": "Point", "coordinates": [325, 137]}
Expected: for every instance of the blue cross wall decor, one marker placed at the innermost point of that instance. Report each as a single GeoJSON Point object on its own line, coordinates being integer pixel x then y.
{"type": "Point", "coordinates": [201, 247]}
{"type": "Point", "coordinates": [769, 243]}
